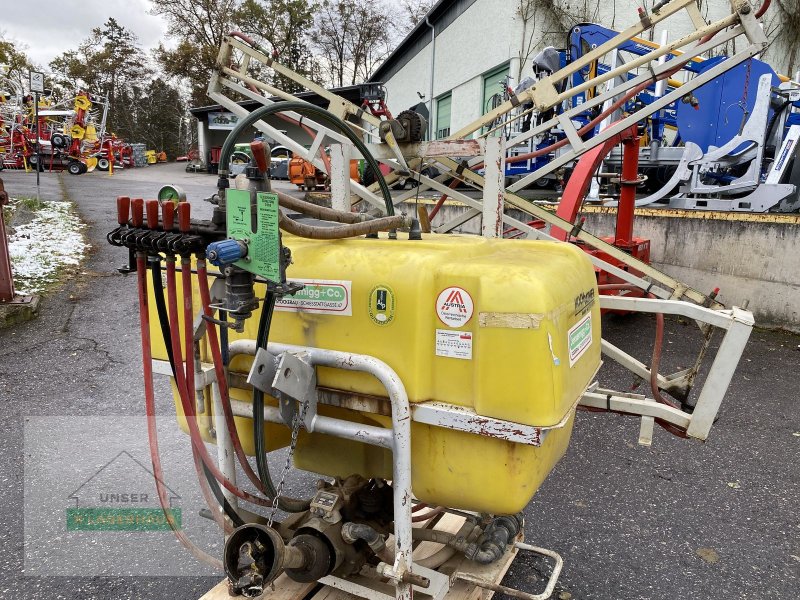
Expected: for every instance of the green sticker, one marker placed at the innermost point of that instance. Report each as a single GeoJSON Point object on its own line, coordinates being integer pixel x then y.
{"type": "Point", "coordinates": [579, 338]}
{"type": "Point", "coordinates": [264, 245]}
{"type": "Point", "coordinates": [382, 305]}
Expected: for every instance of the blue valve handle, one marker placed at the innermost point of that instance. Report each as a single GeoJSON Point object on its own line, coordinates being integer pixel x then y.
{"type": "Point", "coordinates": [226, 252]}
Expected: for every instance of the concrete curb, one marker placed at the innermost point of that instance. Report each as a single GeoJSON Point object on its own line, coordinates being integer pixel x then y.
{"type": "Point", "coordinates": [19, 310]}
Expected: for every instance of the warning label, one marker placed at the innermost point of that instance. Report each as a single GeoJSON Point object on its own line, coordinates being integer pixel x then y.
{"type": "Point", "coordinates": [454, 344]}
{"type": "Point", "coordinates": [319, 296]}
{"type": "Point", "coordinates": [579, 338]}
{"type": "Point", "coordinates": [454, 307]}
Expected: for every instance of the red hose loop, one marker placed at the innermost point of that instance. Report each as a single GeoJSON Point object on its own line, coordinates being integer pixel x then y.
{"type": "Point", "coordinates": [428, 515]}
{"type": "Point", "coordinates": [188, 404]}
{"type": "Point", "coordinates": [150, 411]}
{"type": "Point", "coordinates": [216, 354]}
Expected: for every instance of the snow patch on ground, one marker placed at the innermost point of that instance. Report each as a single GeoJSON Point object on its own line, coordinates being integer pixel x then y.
{"type": "Point", "coordinates": [40, 249]}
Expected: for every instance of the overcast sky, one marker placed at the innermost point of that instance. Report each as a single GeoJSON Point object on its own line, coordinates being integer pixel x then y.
{"type": "Point", "coordinates": [49, 27]}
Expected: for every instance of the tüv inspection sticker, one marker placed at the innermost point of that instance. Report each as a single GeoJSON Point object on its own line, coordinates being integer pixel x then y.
{"type": "Point", "coordinates": [454, 306]}
{"type": "Point", "coordinates": [319, 296]}
{"type": "Point", "coordinates": [579, 338]}
{"type": "Point", "coordinates": [454, 344]}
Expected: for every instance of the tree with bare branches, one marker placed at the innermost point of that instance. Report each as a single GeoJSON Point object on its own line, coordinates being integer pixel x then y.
{"type": "Point", "coordinates": [352, 38]}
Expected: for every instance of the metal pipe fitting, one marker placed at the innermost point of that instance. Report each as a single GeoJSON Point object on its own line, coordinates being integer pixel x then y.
{"type": "Point", "coordinates": [352, 532]}
{"type": "Point", "coordinates": [499, 533]}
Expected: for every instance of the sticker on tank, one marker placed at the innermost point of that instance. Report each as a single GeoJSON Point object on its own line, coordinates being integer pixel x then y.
{"type": "Point", "coordinates": [454, 307]}
{"type": "Point", "coordinates": [382, 305]}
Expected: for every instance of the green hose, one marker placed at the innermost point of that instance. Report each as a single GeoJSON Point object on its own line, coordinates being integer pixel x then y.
{"type": "Point", "coordinates": [318, 113]}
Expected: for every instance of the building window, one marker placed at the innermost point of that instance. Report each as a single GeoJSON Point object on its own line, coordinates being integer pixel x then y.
{"type": "Point", "coordinates": [443, 105]}
{"type": "Point", "coordinates": [494, 90]}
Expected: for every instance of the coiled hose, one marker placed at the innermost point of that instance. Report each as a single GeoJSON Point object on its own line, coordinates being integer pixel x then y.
{"type": "Point", "coordinates": [318, 113]}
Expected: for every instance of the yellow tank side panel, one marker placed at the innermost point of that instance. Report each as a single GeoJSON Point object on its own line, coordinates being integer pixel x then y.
{"type": "Point", "coordinates": [531, 305]}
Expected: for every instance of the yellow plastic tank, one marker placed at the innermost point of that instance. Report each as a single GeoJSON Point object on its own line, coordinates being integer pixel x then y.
{"type": "Point", "coordinates": [509, 328]}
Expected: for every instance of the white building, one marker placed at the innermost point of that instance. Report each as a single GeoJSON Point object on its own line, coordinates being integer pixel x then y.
{"type": "Point", "coordinates": [475, 44]}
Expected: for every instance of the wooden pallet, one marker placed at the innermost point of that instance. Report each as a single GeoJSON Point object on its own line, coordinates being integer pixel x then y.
{"type": "Point", "coordinates": [286, 589]}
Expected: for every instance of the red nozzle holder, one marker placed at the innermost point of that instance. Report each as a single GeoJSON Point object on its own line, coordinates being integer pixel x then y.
{"type": "Point", "coordinates": [168, 215]}
{"type": "Point", "coordinates": [184, 217]}
{"type": "Point", "coordinates": [151, 208]}
{"type": "Point", "coordinates": [260, 154]}
{"type": "Point", "coordinates": [138, 212]}
{"type": "Point", "coordinates": [123, 209]}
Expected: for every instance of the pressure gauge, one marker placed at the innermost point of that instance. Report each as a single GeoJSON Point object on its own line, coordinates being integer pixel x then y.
{"type": "Point", "coordinates": [171, 193]}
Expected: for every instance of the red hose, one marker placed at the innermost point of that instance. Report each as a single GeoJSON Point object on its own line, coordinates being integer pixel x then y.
{"type": "Point", "coordinates": [188, 327]}
{"type": "Point", "coordinates": [216, 354]}
{"type": "Point", "coordinates": [428, 515]}
{"type": "Point", "coordinates": [654, 364]}
{"type": "Point", "coordinates": [188, 318]}
{"type": "Point", "coordinates": [188, 404]}
{"type": "Point", "coordinates": [150, 410]}
{"type": "Point", "coordinates": [211, 501]}
{"type": "Point", "coordinates": [441, 200]}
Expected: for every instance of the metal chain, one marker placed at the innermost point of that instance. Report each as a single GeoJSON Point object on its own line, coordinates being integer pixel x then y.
{"type": "Point", "coordinates": [297, 420]}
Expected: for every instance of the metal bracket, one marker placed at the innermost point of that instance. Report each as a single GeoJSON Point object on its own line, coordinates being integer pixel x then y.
{"type": "Point", "coordinates": [296, 379]}
{"type": "Point", "coordinates": [263, 370]}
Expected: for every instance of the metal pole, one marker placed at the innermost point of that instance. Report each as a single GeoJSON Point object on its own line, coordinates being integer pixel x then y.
{"type": "Point", "coordinates": [38, 137]}
{"type": "Point", "coordinates": [431, 127]}
{"type": "Point", "coordinates": [493, 197]}
{"type": "Point", "coordinates": [627, 197]}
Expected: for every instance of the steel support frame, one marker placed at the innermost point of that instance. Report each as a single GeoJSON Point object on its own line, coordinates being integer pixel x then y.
{"type": "Point", "coordinates": [543, 95]}
{"type": "Point", "coordinates": [452, 148]}
{"type": "Point", "coordinates": [476, 208]}
{"type": "Point", "coordinates": [591, 240]}
{"type": "Point", "coordinates": [736, 322]}
{"type": "Point", "coordinates": [397, 439]}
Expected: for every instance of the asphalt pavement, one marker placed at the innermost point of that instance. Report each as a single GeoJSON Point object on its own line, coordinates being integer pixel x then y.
{"type": "Point", "coordinates": [681, 519]}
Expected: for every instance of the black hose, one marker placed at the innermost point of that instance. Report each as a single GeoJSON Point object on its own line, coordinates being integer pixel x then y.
{"type": "Point", "coordinates": [213, 484]}
{"type": "Point", "coordinates": [320, 114]}
{"type": "Point", "coordinates": [161, 307]}
{"type": "Point", "coordinates": [264, 323]}
{"type": "Point", "coordinates": [291, 505]}
{"type": "Point", "coordinates": [163, 319]}
{"type": "Point", "coordinates": [498, 534]}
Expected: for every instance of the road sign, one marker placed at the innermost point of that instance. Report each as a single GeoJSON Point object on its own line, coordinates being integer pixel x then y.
{"type": "Point", "coordinates": [37, 82]}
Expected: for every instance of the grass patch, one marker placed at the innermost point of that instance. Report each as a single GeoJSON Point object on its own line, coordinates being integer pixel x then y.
{"type": "Point", "coordinates": [46, 247]}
